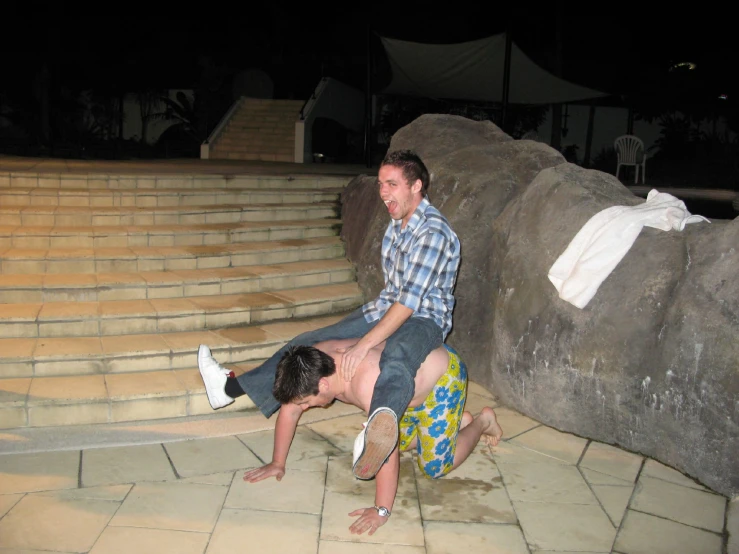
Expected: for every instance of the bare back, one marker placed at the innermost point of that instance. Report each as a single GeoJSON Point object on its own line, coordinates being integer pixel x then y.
{"type": "Point", "coordinates": [360, 389]}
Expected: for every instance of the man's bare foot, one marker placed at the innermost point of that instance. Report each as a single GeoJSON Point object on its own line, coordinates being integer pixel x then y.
{"type": "Point", "coordinates": [491, 430]}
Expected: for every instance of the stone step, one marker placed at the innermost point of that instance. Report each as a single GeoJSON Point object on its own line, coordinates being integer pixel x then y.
{"type": "Point", "coordinates": [163, 215]}
{"type": "Point", "coordinates": [263, 105]}
{"type": "Point", "coordinates": [168, 315]}
{"type": "Point", "coordinates": [284, 147]}
{"type": "Point", "coordinates": [254, 156]}
{"type": "Point", "coordinates": [92, 287]}
{"type": "Point", "coordinates": [278, 114]}
{"type": "Point", "coordinates": [266, 119]}
{"type": "Point", "coordinates": [49, 357]}
{"type": "Point", "coordinates": [255, 139]}
{"type": "Point", "coordinates": [112, 274]}
{"type": "Point", "coordinates": [264, 154]}
{"type": "Point", "coordinates": [267, 103]}
{"type": "Point", "coordinates": [22, 196]}
{"type": "Point", "coordinates": [135, 378]}
{"type": "Point", "coordinates": [117, 181]}
{"type": "Point", "coordinates": [268, 124]}
{"type": "Point", "coordinates": [15, 261]}
{"type": "Point", "coordinates": [102, 236]}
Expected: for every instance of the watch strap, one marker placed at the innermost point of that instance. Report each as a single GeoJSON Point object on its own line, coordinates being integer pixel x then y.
{"type": "Point", "coordinates": [381, 509]}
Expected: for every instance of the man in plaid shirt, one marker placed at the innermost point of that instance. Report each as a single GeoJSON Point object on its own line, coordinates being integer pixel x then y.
{"type": "Point", "coordinates": [413, 313]}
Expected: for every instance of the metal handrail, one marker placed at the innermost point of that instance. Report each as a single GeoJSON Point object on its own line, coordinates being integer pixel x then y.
{"type": "Point", "coordinates": [224, 120]}
{"type": "Point", "coordinates": [312, 97]}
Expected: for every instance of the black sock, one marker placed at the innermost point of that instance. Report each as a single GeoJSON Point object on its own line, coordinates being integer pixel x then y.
{"type": "Point", "coordinates": [232, 388]}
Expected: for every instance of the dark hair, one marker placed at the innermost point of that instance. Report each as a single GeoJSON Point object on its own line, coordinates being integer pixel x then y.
{"type": "Point", "coordinates": [299, 371]}
{"type": "Point", "coordinates": [412, 166]}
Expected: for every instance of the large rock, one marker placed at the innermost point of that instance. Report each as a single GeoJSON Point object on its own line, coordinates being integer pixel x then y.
{"type": "Point", "coordinates": [652, 362]}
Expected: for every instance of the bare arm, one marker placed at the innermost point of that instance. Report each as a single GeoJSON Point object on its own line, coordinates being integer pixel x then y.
{"type": "Point", "coordinates": [390, 322]}
{"type": "Point", "coordinates": [287, 422]}
{"type": "Point", "coordinates": [386, 487]}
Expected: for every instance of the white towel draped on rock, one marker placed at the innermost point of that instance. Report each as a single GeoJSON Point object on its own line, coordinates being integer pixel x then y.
{"type": "Point", "coordinates": [606, 238]}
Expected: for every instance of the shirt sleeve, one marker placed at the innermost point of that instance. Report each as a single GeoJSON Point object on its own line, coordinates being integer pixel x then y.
{"type": "Point", "coordinates": [428, 256]}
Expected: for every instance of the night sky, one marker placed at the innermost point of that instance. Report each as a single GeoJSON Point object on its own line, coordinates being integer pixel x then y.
{"type": "Point", "coordinates": [622, 50]}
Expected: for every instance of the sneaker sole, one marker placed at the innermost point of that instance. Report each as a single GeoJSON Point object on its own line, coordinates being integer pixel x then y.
{"type": "Point", "coordinates": [380, 439]}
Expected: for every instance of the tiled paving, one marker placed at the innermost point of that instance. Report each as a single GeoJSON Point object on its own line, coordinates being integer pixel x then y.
{"type": "Point", "coordinates": [176, 487]}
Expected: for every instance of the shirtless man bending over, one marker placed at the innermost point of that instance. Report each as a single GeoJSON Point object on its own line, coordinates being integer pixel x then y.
{"type": "Point", "coordinates": [434, 422]}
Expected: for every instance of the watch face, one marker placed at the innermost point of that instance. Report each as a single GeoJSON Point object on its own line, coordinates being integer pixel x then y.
{"type": "Point", "coordinates": [383, 512]}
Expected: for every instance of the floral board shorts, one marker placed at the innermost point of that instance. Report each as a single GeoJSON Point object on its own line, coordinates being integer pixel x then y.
{"type": "Point", "coordinates": [436, 422]}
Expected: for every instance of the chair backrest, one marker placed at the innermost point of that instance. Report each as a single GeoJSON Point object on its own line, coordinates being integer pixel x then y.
{"type": "Point", "coordinates": [627, 148]}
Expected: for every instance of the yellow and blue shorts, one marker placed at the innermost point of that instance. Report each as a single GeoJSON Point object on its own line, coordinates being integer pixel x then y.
{"type": "Point", "coordinates": [436, 422]}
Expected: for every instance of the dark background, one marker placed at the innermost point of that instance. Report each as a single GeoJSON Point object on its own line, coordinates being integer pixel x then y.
{"type": "Point", "coordinates": [624, 49]}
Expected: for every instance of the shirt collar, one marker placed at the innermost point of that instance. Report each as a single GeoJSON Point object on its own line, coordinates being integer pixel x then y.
{"type": "Point", "coordinates": [415, 218]}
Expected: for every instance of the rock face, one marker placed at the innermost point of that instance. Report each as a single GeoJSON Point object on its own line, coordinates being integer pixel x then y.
{"type": "Point", "coordinates": [650, 364]}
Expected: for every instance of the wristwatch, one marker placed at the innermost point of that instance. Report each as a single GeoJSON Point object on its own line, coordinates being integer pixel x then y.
{"type": "Point", "coordinates": [382, 511]}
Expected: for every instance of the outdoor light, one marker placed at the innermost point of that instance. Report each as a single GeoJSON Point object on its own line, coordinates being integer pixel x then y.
{"type": "Point", "coordinates": [690, 66]}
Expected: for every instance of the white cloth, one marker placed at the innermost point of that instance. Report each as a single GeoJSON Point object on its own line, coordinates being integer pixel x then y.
{"type": "Point", "coordinates": [606, 238]}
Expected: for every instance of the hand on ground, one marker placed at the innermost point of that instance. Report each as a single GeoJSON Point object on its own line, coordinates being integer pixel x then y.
{"type": "Point", "coordinates": [369, 520]}
{"type": "Point", "coordinates": [265, 472]}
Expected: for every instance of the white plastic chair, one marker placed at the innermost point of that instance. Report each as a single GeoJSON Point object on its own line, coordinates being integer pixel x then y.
{"type": "Point", "coordinates": [630, 151]}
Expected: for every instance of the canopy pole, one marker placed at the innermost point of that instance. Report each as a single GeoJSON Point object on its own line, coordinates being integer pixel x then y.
{"type": "Point", "coordinates": [589, 136]}
{"type": "Point", "coordinates": [556, 137]}
{"type": "Point", "coordinates": [630, 119]}
{"type": "Point", "coordinates": [368, 102]}
{"type": "Point", "coordinates": [506, 74]}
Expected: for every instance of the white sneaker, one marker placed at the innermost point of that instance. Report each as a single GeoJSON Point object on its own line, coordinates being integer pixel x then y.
{"type": "Point", "coordinates": [359, 445]}
{"type": "Point", "coordinates": [214, 377]}
{"type": "Point", "coordinates": [375, 443]}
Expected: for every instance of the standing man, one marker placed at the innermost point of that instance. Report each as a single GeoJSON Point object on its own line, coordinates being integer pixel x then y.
{"type": "Point", "coordinates": [413, 314]}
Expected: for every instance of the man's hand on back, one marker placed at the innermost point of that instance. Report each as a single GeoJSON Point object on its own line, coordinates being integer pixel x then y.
{"type": "Point", "coordinates": [350, 359]}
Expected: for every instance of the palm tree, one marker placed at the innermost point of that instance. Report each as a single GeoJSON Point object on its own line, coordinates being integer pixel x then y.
{"type": "Point", "coordinates": [149, 101]}
{"type": "Point", "coordinates": [183, 112]}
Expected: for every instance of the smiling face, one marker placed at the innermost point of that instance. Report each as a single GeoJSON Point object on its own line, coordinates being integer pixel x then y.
{"type": "Point", "coordinates": [400, 197]}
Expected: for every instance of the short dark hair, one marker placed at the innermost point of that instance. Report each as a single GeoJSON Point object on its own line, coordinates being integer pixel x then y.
{"type": "Point", "coordinates": [299, 371]}
{"type": "Point", "coordinates": [411, 165]}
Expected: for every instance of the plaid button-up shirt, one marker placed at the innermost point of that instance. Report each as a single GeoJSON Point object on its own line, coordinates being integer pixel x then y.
{"type": "Point", "coordinates": [420, 266]}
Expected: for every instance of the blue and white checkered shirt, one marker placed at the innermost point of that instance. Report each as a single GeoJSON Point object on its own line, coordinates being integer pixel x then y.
{"type": "Point", "coordinates": [420, 266]}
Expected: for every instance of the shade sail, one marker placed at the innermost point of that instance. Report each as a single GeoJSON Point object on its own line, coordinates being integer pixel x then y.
{"type": "Point", "coordinates": [474, 71]}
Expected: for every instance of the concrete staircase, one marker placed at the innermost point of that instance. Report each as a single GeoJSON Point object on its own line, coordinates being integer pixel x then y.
{"type": "Point", "coordinates": [259, 130]}
{"type": "Point", "coordinates": [108, 284]}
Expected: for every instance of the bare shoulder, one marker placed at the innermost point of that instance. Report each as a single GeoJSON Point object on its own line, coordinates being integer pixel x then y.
{"type": "Point", "coordinates": [331, 347]}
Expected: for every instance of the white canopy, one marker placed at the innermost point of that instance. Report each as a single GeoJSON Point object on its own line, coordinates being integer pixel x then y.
{"type": "Point", "coordinates": [474, 71]}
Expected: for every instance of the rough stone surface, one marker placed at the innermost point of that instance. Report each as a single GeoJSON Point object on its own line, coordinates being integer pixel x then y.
{"type": "Point", "coordinates": [652, 362]}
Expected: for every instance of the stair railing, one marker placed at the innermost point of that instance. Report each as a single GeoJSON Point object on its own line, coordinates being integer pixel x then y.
{"type": "Point", "coordinates": [205, 147]}
{"type": "Point", "coordinates": [308, 104]}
